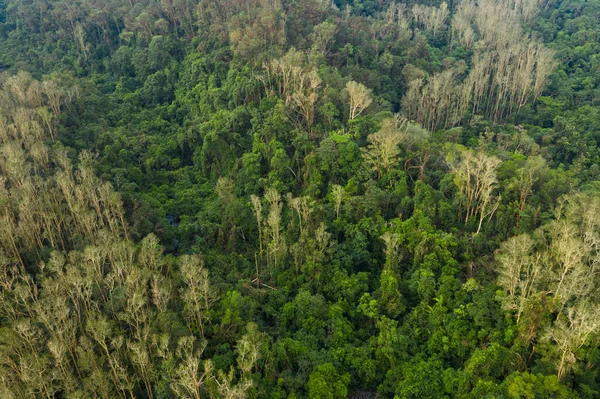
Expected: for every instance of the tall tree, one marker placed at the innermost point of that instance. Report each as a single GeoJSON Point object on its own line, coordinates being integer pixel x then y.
{"type": "Point", "coordinates": [475, 176]}
{"type": "Point", "coordinates": [360, 98]}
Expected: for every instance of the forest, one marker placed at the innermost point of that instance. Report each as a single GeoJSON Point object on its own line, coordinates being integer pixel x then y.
{"type": "Point", "coordinates": [321, 199]}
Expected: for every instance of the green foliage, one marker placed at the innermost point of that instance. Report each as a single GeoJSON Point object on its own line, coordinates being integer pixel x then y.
{"type": "Point", "coordinates": [231, 199]}
{"type": "Point", "coordinates": [533, 386]}
{"type": "Point", "coordinates": [326, 383]}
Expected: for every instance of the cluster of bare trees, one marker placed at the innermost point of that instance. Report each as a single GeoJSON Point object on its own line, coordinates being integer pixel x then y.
{"type": "Point", "coordinates": [438, 101]}
{"type": "Point", "coordinates": [288, 232]}
{"type": "Point", "coordinates": [398, 20]}
{"type": "Point", "coordinates": [556, 270]}
{"type": "Point", "coordinates": [81, 303]}
{"type": "Point", "coordinates": [515, 66]}
{"type": "Point", "coordinates": [41, 203]}
{"type": "Point", "coordinates": [29, 107]}
{"type": "Point", "coordinates": [509, 68]}
{"type": "Point", "coordinates": [395, 23]}
{"type": "Point", "coordinates": [296, 82]}
{"type": "Point", "coordinates": [96, 314]}
{"type": "Point", "coordinates": [432, 19]}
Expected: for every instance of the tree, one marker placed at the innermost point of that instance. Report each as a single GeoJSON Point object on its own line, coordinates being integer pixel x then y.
{"type": "Point", "coordinates": [192, 373]}
{"type": "Point", "coordinates": [322, 36]}
{"type": "Point", "coordinates": [305, 98]}
{"type": "Point", "coordinates": [388, 294]}
{"type": "Point", "coordinates": [536, 386]}
{"type": "Point", "coordinates": [475, 177]}
{"type": "Point", "coordinates": [572, 332]}
{"type": "Point", "coordinates": [560, 265]}
{"type": "Point", "coordinates": [383, 151]}
{"type": "Point", "coordinates": [431, 18]}
{"type": "Point", "coordinates": [257, 207]}
{"type": "Point", "coordinates": [325, 382]}
{"type": "Point", "coordinates": [259, 29]}
{"type": "Point", "coordinates": [360, 98]}
{"type": "Point", "coordinates": [525, 179]}
{"type": "Point", "coordinates": [519, 272]}
{"type": "Point", "coordinates": [338, 195]}
{"type": "Point", "coordinates": [248, 354]}
{"type": "Point", "coordinates": [509, 68]}
{"type": "Point", "coordinates": [296, 82]}
{"type": "Point", "coordinates": [197, 293]}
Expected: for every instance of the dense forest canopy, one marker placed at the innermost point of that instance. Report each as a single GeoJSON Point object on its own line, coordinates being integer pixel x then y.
{"type": "Point", "coordinates": [299, 199]}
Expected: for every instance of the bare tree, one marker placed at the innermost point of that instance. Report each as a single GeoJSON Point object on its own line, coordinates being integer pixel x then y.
{"type": "Point", "coordinates": [338, 194]}
{"type": "Point", "coordinates": [519, 271]}
{"type": "Point", "coordinates": [360, 98]}
{"type": "Point", "coordinates": [197, 292]}
{"type": "Point", "coordinates": [383, 151]}
{"type": "Point", "coordinates": [571, 332]}
{"type": "Point", "coordinates": [475, 177]}
{"type": "Point", "coordinates": [276, 247]}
